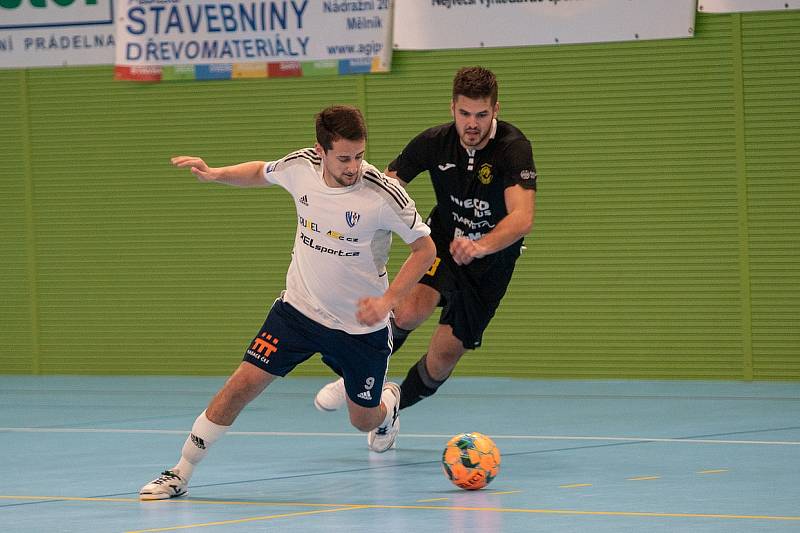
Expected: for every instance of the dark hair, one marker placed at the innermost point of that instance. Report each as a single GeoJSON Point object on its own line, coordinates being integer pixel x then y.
{"type": "Point", "coordinates": [339, 122]}
{"type": "Point", "coordinates": [475, 82]}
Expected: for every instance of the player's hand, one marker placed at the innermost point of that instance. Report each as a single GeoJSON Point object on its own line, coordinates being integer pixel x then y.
{"type": "Point", "coordinates": [197, 166]}
{"type": "Point", "coordinates": [465, 250]}
{"type": "Point", "coordinates": [372, 310]}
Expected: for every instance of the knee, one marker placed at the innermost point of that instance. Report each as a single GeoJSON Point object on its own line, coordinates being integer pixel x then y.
{"type": "Point", "coordinates": [408, 317]}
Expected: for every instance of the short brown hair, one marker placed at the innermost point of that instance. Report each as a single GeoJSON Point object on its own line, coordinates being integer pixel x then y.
{"type": "Point", "coordinates": [339, 122]}
{"type": "Point", "coordinates": [475, 82]}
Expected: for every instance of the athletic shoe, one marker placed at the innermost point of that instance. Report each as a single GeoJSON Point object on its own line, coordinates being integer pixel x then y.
{"type": "Point", "coordinates": [383, 437]}
{"type": "Point", "coordinates": [168, 485]}
{"type": "Point", "coordinates": [331, 397]}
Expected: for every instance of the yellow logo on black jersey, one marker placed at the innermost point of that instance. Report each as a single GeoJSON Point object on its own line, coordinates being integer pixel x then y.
{"type": "Point", "coordinates": [485, 173]}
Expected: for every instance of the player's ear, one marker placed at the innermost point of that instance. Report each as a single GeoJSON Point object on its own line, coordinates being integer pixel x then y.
{"type": "Point", "coordinates": [453, 109]}
{"type": "Point", "coordinates": [319, 149]}
{"type": "Point", "coordinates": [496, 108]}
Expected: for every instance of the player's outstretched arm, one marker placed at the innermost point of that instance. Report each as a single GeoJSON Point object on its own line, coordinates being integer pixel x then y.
{"type": "Point", "coordinates": [520, 204]}
{"type": "Point", "coordinates": [242, 175]}
{"type": "Point", "coordinates": [372, 310]}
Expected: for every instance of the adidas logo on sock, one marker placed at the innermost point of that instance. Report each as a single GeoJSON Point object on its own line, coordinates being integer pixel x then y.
{"type": "Point", "coordinates": [198, 441]}
{"type": "Point", "coordinates": [365, 395]}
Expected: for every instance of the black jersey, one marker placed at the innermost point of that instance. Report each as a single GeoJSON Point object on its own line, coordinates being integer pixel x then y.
{"type": "Point", "coordinates": [469, 184]}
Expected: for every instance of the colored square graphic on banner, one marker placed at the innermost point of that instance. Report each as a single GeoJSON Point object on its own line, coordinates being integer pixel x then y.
{"type": "Point", "coordinates": [213, 72]}
{"type": "Point", "coordinates": [355, 66]}
{"type": "Point", "coordinates": [177, 72]}
{"type": "Point", "coordinates": [284, 69]}
{"type": "Point", "coordinates": [249, 70]}
{"type": "Point", "coordinates": [137, 73]}
{"type": "Point", "coordinates": [320, 68]}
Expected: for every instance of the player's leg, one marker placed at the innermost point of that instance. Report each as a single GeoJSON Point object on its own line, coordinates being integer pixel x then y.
{"type": "Point", "coordinates": [466, 313]}
{"type": "Point", "coordinates": [244, 385]}
{"type": "Point", "coordinates": [429, 373]}
{"type": "Point", "coordinates": [412, 311]}
{"type": "Point", "coordinates": [382, 422]}
{"type": "Point", "coordinates": [372, 402]}
{"type": "Point", "coordinates": [409, 314]}
{"type": "Point", "coordinates": [280, 345]}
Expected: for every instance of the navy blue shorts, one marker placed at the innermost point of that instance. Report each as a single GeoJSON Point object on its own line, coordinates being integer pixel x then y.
{"type": "Point", "coordinates": [288, 338]}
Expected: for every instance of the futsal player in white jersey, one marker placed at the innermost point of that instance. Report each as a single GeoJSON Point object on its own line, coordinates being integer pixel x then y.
{"type": "Point", "coordinates": [338, 297]}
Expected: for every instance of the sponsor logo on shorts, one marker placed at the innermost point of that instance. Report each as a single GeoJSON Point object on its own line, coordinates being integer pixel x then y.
{"type": "Point", "coordinates": [364, 395]}
{"type": "Point", "coordinates": [263, 346]}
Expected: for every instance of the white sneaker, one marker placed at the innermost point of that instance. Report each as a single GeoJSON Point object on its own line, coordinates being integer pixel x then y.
{"type": "Point", "coordinates": [168, 485]}
{"type": "Point", "coordinates": [383, 437]}
{"type": "Point", "coordinates": [331, 397]}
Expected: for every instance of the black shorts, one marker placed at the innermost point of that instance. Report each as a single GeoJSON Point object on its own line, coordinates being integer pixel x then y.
{"type": "Point", "coordinates": [470, 293]}
{"type": "Point", "coordinates": [288, 338]}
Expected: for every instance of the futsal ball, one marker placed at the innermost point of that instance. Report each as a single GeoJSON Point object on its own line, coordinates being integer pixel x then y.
{"type": "Point", "coordinates": [471, 460]}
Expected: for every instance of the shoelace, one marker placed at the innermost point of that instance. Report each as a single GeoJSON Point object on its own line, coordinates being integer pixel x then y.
{"type": "Point", "coordinates": [165, 476]}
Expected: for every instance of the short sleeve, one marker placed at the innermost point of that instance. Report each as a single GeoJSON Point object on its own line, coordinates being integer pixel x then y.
{"type": "Point", "coordinates": [520, 168]}
{"type": "Point", "coordinates": [413, 160]}
{"type": "Point", "coordinates": [405, 222]}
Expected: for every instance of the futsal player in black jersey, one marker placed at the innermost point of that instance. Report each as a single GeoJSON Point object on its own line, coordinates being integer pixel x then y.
{"type": "Point", "coordinates": [484, 178]}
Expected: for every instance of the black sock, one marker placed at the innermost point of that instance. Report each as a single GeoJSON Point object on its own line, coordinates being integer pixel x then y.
{"type": "Point", "coordinates": [399, 335]}
{"type": "Point", "coordinates": [418, 384]}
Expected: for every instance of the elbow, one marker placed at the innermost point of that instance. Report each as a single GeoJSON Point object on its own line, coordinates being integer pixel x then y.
{"type": "Point", "coordinates": [426, 252]}
{"type": "Point", "coordinates": [525, 228]}
{"type": "Point", "coordinates": [430, 251]}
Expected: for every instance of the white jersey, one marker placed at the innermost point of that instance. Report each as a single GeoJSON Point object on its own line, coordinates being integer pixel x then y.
{"type": "Point", "coordinates": [343, 238]}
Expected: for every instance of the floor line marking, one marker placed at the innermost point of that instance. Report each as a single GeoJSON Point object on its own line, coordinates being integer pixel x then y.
{"type": "Point", "coordinates": [345, 507]}
{"type": "Point", "coordinates": [505, 492]}
{"type": "Point", "coordinates": [643, 478]}
{"type": "Point", "coordinates": [433, 500]}
{"type": "Point", "coordinates": [717, 471]}
{"type": "Point", "coordinates": [244, 520]}
{"type": "Point", "coordinates": [684, 440]}
{"type": "Point", "coordinates": [575, 485]}
{"type": "Point", "coordinates": [169, 502]}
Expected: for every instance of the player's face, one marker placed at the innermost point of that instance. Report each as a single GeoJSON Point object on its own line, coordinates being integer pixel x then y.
{"type": "Point", "coordinates": [473, 118]}
{"type": "Point", "coordinates": [341, 165]}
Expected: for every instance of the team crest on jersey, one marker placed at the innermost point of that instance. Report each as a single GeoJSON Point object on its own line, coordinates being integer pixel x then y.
{"type": "Point", "coordinates": [352, 218]}
{"type": "Point", "coordinates": [485, 173]}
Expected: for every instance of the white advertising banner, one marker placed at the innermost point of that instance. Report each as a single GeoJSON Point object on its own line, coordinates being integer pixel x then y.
{"type": "Point", "coordinates": [436, 24]}
{"type": "Point", "coordinates": [294, 36]}
{"type": "Point", "coordinates": [737, 6]}
{"type": "Point", "coordinates": [47, 33]}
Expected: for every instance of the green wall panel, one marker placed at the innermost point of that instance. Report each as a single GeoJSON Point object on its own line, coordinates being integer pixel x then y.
{"type": "Point", "coordinates": [770, 52]}
{"type": "Point", "coordinates": [668, 201]}
{"type": "Point", "coordinates": [16, 263]}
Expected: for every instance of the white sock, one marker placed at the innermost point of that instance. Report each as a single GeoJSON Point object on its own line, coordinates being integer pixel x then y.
{"type": "Point", "coordinates": [390, 401]}
{"type": "Point", "coordinates": [204, 434]}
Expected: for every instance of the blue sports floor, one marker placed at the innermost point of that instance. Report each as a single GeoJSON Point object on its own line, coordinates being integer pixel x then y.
{"type": "Point", "coordinates": [599, 456]}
